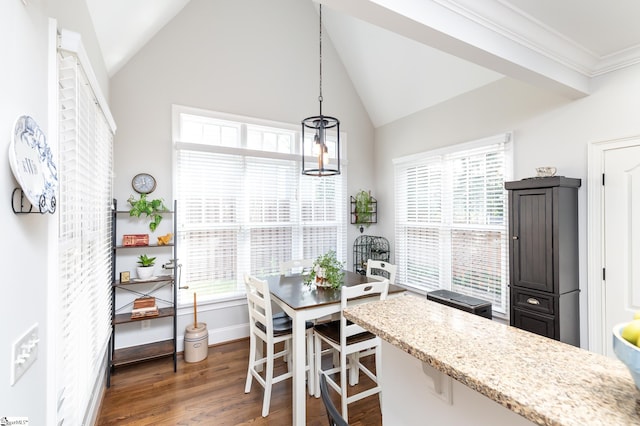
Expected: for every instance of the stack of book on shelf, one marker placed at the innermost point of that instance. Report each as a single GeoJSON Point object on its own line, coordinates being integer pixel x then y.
{"type": "Point", "coordinates": [144, 307]}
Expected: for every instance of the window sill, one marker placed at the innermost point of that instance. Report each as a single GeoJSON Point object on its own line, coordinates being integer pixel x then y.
{"type": "Point", "coordinates": [213, 305]}
{"type": "Point", "coordinates": [497, 316]}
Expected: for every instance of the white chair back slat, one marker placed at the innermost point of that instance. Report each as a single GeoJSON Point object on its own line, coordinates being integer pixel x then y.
{"type": "Point", "coordinates": [259, 303]}
{"type": "Point", "coordinates": [358, 294]}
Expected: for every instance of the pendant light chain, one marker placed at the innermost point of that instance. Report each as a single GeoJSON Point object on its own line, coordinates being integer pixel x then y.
{"type": "Point", "coordinates": [320, 26]}
{"type": "Point", "coordinates": [323, 143]}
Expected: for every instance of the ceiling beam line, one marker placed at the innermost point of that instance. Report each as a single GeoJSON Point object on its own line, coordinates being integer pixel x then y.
{"type": "Point", "coordinates": [436, 24]}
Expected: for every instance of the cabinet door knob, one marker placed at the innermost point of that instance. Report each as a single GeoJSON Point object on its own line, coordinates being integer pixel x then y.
{"type": "Point", "coordinates": [533, 301]}
{"type": "Point", "coordinates": [515, 237]}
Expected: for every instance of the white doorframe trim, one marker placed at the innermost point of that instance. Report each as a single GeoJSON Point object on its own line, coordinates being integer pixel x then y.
{"type": "Point", "coordinates": [598, 336]}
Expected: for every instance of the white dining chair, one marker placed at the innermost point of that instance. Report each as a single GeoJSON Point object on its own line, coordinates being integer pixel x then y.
{"type": "Point", "coordinates": [379, 268]}
{"type": "Point", "coordinates": [288, 267]}
{"type": "Point", "coordinates": [350, 339]}
{"type": "Point", "coordinates": [295, 266]}
{"type": "Point", "coordinates": [264, 327]}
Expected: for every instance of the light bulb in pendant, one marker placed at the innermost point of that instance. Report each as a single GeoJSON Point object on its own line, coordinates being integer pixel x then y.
{"type": "Point", "coordinates": [325, 155]}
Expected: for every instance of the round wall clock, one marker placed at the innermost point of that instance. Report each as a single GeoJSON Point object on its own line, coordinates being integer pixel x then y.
{"type": "Point", "coordinates": [143, 183]}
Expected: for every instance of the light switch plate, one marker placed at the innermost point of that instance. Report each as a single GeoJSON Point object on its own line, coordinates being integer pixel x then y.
{"type": "Point", "coordinates": [23, 353]}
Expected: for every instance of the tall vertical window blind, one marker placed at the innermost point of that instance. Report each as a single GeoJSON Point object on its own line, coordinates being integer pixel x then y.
{"type": "Point", "coordinates": [244, 204]}
{"type": "Point", "coordinates": [84, 206]}
{"type": "Point", "coordinates": [451, 219]}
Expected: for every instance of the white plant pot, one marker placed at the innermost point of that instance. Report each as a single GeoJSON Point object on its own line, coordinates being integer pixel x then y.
{"type": "Point", "coordinates": [321, 279]}
{"type": "Point", "coordinates": [145, 272]}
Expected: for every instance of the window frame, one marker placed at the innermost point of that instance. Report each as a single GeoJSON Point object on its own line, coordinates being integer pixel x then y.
{"type": "Point", "coordinates": [84, 232]}
{"type": "Point", "coordinates": [242, 150]}
{"type": "Point", "coordinates": [445, 227]}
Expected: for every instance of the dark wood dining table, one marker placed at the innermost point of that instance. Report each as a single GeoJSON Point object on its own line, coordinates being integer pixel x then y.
{"type": "Point", "coordinates": [303, 303]}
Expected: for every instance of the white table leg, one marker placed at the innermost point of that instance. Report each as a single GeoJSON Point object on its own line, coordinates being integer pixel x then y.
{"type": "Point", "coordinates": [299, 361]}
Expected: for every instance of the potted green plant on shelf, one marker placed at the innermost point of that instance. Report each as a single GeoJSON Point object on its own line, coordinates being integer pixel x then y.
{"type": "Point", "coordinates": [151, 208]}
{"type": "Point", "coordinates": [145, 270]}
{"type": "Point", "coordinates": [327, 271]}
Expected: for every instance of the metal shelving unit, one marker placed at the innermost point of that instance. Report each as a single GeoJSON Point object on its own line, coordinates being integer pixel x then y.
{"type": "Point", "coordinates": [122, 315]}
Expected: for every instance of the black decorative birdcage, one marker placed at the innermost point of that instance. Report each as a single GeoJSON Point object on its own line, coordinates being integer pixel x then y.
{"type": "Point", "coordinates": [367, 247]}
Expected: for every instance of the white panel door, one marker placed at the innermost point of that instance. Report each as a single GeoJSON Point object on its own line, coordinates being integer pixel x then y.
{"type": "Point", "coordinates": [621, 236]}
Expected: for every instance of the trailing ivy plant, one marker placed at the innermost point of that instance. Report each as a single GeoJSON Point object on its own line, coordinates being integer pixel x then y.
{"type": "Point", "coordinates": [151, 208]}
{"type": "Point", "coordinates": [364, 207]}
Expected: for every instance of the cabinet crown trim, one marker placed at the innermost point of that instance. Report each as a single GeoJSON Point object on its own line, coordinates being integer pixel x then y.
{"type": "Point", "coordinates": [543, 182]}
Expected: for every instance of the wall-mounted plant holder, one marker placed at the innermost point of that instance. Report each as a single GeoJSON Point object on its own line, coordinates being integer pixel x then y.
{"type": "Point", "coordinates": [19, 203]}
{"type": "Point", "coordinates": [364, 209]}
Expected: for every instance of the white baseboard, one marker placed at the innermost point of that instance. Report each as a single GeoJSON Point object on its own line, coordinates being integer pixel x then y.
{"type": "Point", "coordinates": [99, 388]}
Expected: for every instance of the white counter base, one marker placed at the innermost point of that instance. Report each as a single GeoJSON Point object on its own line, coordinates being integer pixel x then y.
{"type": "Point", "coordinates": [409, 397]}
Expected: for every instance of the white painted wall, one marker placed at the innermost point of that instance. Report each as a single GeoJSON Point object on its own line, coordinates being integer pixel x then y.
{"type": "Point", "coordinates": [548, 130]}
{"type": "Point", "coordinates": [73, 15]}
{"type": "Point", "coordinates": [24, 91]}
{"type": "Point", "coordinates": [410, 396]}
{"type": "Point", "coordinates": [245, 57]}
{"type": "Point", "coordinates": [217, 56]}
{"type": "Point", "coordinates": [495, 108]}
{"type": "Point", "coordinates": [28, 256]}
{"type": "Point", "coordinates": [263, 64]}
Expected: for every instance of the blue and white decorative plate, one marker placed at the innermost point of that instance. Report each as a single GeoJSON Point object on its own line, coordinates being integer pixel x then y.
{"type": "Point", "coordinates": [32, 164]}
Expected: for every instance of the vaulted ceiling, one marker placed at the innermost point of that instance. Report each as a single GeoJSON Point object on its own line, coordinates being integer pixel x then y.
{"type": "Point", "coordinates": [407, 55]}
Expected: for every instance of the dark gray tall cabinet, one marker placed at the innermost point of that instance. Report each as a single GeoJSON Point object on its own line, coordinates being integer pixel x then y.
{"type": "Point", "coordinates": [543, 257]}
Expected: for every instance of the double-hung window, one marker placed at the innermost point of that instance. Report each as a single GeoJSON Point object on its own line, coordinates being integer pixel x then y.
{"type": "Point", "coordinates": [85, 198]}
{"type": "Point", "coordinates": [451, 219]}
{"type": "Point", "coordinates": [243, 204]}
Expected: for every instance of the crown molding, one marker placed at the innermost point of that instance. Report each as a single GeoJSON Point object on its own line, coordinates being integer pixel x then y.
{"type": "Point", "coordinates": [495, 35]}
{"type": "Point", "coordinates": [459, 28]}
{"type": "Point", "coordinates": [501, 17]}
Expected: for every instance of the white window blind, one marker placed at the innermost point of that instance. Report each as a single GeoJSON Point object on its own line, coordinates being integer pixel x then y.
{"type": "Point", "coordinates": [244, 204]}
{"type": "Point", "coordinates": [84, 207]}
{"type": "Point", "coordinates": [451, 219]}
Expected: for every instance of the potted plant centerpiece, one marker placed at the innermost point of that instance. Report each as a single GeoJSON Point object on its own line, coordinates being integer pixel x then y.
{"type": "Point", "coordinates": [151, 208]}
{"type": "Point", "coordinates": [327, 271]}
{"type": "Point", "coordinates": [145, 270]}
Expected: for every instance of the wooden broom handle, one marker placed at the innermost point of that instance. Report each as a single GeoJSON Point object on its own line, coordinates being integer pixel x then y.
{"type": "Point", "coordinates": [195, 311]}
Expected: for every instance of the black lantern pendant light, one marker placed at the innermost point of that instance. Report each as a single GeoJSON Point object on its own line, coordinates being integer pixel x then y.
{"type": "Point", "coordinates": [319, 126]}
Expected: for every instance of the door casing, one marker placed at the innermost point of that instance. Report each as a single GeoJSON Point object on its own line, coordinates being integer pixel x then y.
{"type": "Point", "coordinates": [599, 337]}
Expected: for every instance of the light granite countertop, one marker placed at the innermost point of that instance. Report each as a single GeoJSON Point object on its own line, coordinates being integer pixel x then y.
{"type": "Point", "coordinates": [543, 380]}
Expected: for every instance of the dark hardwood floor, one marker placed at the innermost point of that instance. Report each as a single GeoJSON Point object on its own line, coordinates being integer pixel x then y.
{"type": "Point", "coordinates": [211, 392]}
